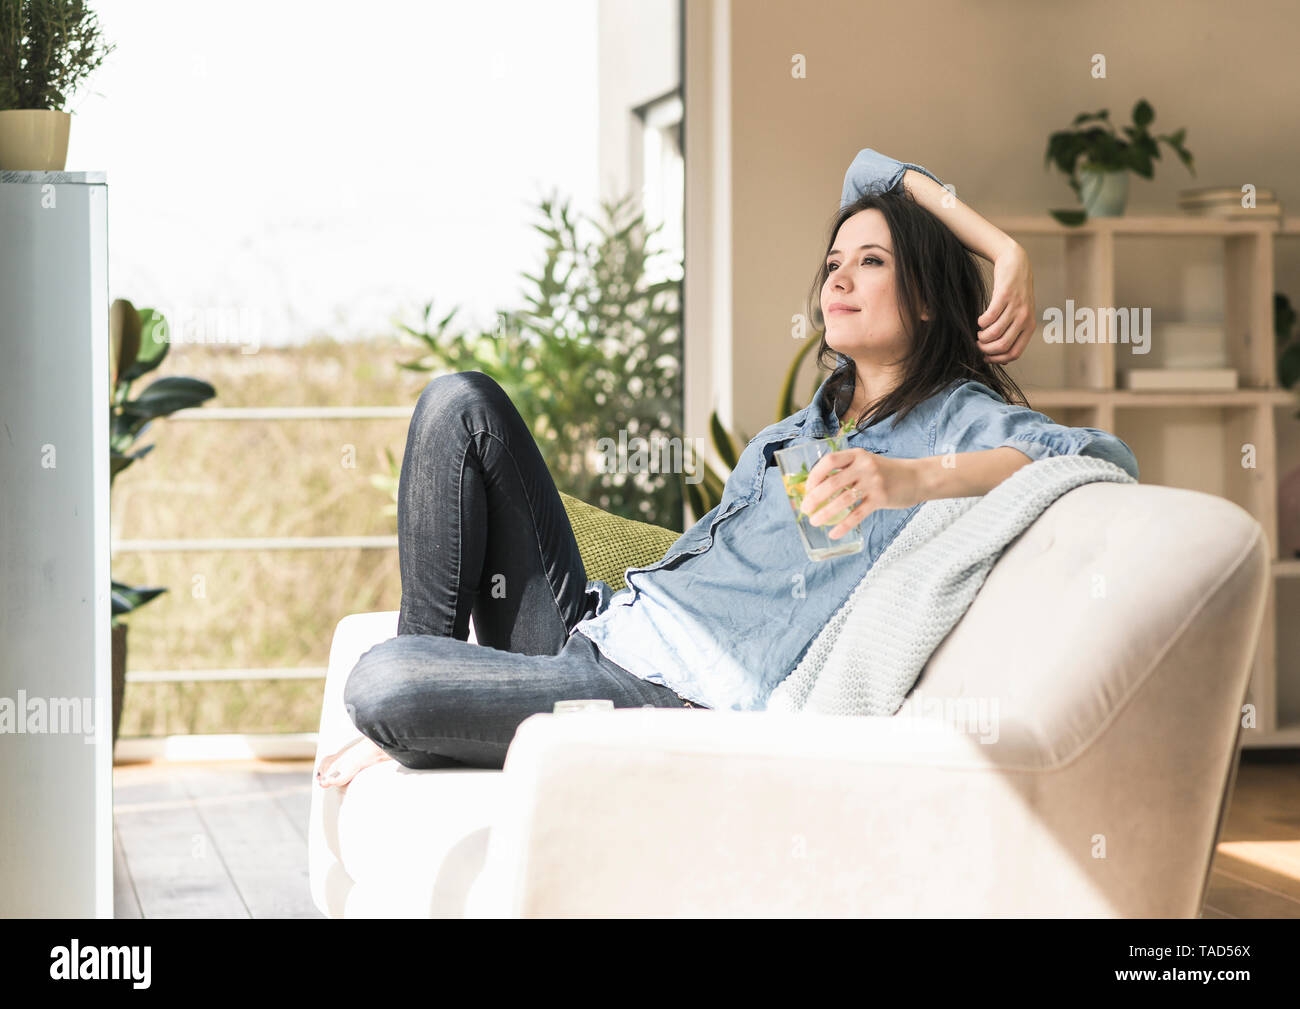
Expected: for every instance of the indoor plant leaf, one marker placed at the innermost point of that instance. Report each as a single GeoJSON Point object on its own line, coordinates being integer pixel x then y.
{"type": "Point", "coordinates": [168, 395]}
{"type": "Point", "coordinates": [722, 442]}
{"type": "Point", "coordinates": [1284, 317]}
{"type": "Point", "coordinates": [1070, 218]}
{"type": "Point", "coordinates": [126, 598]}
{"type": "Point", "coordinates": [154, 342]}
{"type": "Point", "coordinates": [118, 462]}
{"type": "Point", "coordinates": [785, 404]}
{"type": "Point", "coordinates": [124, 334]}
{"type": "Point", "coordinates": [1288, 366]}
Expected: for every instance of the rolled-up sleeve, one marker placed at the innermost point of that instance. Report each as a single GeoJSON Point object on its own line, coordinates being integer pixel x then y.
{"type": "Point", "coordinates": [974, 418]}
{"type": "Point", "coordinates": [876, 173]}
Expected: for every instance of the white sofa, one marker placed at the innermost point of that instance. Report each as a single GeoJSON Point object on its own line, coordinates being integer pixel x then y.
{"type": "Point", "coordinates": [1115, 637]}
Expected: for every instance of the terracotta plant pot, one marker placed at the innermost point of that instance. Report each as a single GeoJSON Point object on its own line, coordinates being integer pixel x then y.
{"type": "Point", "coordinates": [119, 675]}
{"type": "Point", "coordinates": [34, 140]}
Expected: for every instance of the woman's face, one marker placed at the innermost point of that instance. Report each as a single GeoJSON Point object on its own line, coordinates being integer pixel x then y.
{"type": "Point", "coordinates": [871, 330]}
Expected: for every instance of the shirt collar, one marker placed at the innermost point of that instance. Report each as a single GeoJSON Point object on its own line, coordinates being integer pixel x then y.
{"type": "Point", "coordinates": [818, 416]}
{"type": "Point", "coordinates": [821, 420]}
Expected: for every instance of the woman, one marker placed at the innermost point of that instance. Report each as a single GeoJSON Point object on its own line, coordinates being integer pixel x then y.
{"type": "Point", "coordinates": [730, 609]}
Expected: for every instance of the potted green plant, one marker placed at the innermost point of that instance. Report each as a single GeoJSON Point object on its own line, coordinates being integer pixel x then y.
{"type": "Point", "coordinates": [47, 49]}
{"type": "Point", "coordinates": [140, 341]}
{"type": "Point", "coordinates": [1097, 160]}
{"type": "Point", "coordinates": [595, 350]}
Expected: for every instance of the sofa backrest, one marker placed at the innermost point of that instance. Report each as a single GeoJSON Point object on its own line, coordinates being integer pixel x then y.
{"type": "Point", "coordinates": [1117, 593]}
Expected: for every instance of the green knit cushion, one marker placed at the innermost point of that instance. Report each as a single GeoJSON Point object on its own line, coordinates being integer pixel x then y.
{"type": "Point", "coordinates": [610, 544]}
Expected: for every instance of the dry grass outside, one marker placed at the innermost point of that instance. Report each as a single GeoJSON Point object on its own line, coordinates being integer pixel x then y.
{"type": "Point", "coordinates": [243, 478]}
{"type": "Point", "coordinates": [253, 609]}
{"type": "Point", "coordinates": [165, 709]}
{"type": "Point", "coordinates": [264, 609]}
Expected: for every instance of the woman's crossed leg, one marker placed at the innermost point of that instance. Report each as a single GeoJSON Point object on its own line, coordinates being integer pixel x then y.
{"type": "Point", "coordinates": [481, 530]}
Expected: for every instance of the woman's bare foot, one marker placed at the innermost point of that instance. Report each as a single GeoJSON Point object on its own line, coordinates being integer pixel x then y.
{"type": "Point", "coordinates": [339, 768]}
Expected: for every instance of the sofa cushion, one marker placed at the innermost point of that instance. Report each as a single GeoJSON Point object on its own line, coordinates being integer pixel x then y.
{"type": "Point", "coordinates": [610, 544]}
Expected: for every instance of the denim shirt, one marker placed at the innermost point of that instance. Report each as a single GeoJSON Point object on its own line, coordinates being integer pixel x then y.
{"type": "Point", "coordinates": [874, 172]}
{"type": "Point", "coordinates": [729, 610]}
{"type": "Point", "coordinates": [727, 613]}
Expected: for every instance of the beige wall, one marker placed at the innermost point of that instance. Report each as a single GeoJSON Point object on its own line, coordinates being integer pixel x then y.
{"type": "Point", "coordinates": [971, 90]}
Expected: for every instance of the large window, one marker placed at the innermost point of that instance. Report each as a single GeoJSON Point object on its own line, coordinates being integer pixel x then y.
{"type": "Point", "coordinates": [663, 174]}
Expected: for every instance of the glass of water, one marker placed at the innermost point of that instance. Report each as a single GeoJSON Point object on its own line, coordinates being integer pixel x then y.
{"type": "Point", "coordinates": [796, 463]}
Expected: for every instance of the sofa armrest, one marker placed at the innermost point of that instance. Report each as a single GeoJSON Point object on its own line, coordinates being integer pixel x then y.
{"type": "Point", "coordinates": [660, 812]}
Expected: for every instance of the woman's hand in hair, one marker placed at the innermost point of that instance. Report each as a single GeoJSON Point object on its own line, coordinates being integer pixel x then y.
{"type": "Point", "coordinates": [874, 481]}
{"type": "Point", "coordinates": [1008, 324]}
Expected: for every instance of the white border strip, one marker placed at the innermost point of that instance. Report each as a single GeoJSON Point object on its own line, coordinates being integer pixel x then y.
{"type": "Point", "coordinates": [291, 412]}
{"type": "Point", "coordinates": [209, 675]}
{"type": "Point", "coordinates": [258, 543]}
{"type": "Point", "coordinates": [234, 746]}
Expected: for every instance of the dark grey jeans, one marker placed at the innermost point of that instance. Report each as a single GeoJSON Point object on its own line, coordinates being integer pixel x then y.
{"type": "Point", "coordinates": [481, 530]}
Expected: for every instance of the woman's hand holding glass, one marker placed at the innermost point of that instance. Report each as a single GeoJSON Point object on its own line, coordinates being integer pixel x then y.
{"type": "Point", "coordinates": [873, 481]}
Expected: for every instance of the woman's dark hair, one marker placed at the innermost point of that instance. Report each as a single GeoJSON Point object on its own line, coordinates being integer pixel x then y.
{"type": "Point", "coordinates": [931, 268]}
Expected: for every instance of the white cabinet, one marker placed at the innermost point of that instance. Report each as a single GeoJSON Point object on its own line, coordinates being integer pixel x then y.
{"type": "Point", "coordinates": [56, 769]}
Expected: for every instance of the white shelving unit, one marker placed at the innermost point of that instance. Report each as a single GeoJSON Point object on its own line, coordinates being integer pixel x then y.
{"type": "Point", "coordinates": [56, 787]}
{"type": "Point", "coordinates": [1183, 439]}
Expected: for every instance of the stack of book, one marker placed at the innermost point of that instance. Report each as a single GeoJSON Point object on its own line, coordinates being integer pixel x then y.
{"type": "Point", "coordinates": [1181, 379]}
{"type": "Point", "coordinates": [1224, 201]}
{"type": "Point", "coordinates": [1186, 356]}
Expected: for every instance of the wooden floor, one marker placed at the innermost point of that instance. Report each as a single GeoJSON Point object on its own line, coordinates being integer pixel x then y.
{"type": "Point", "coordinates": [229, 840]}
{"type": "Point", "coordinates": [1256, 868]}
{"type": "Point", "coordinates": [219, 840]}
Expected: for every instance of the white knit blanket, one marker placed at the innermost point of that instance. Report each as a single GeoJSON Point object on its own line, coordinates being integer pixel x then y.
{"type": "Point", "coordinates": [868, 657]}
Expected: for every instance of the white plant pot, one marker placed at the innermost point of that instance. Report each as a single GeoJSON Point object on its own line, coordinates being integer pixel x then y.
{"type": "Point", "coordinates": [1104, 193]}
{"type": "Point", "coordinates": [34, 140]}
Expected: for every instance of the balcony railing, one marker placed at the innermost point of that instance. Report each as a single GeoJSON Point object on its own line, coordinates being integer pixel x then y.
{"type": "Point", "coordinates": [236, 745]}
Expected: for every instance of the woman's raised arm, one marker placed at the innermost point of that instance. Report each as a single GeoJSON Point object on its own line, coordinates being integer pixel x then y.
{"type": "Point", "coordinates": [1008, 323]}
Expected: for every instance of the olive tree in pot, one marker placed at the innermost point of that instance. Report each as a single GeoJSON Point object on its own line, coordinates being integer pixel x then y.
{"type": "Point", "coordinates": [593, 354]}
{"type": "Point", "coordinates": [48, 48]}
{"type": "Point", "coordinates": [139, 343]}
